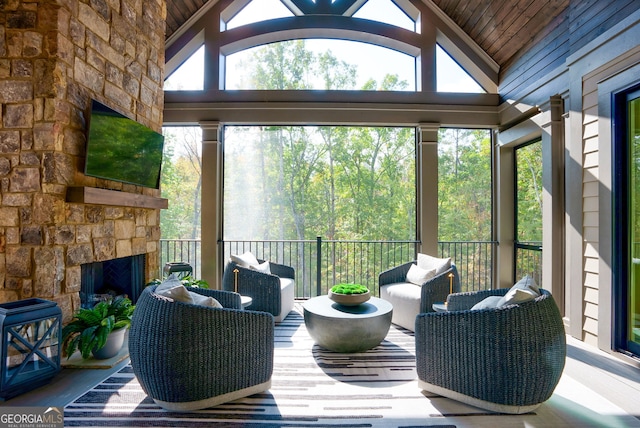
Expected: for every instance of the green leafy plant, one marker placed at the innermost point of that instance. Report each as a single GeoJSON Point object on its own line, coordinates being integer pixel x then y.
{"type": "Point", "coordinates": [349, 289]}
{"type": "Point", "coordinates": [90, 327]}
{"type": "Point", "coordinates": [187, 281]}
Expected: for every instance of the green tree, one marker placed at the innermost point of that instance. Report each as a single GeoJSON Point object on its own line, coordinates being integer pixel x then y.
{"type": "Point", "coordinates": [464, 185]}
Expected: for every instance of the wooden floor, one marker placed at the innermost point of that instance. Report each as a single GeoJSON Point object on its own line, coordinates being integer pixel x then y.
{"type": "Point", "coordinates": [592, 379]}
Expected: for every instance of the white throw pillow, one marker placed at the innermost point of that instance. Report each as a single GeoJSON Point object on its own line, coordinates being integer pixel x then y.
{"type": "Point", "coordinates": [262, 267]}
{"type": "Point", "coordinates": [245, 260]}
{"type": "Point", "coordinates": [427, 262]}
{"type": "Point", "coordinates": [174, 290]}
{"type": "Point", "coordinates": [418, 275]}
{"type": "Point", "coordinates": [522, 291]}
{"type": "Point", "coordinates": [488, 303]}
{"type": "Point", "coordinates": [199, 299]}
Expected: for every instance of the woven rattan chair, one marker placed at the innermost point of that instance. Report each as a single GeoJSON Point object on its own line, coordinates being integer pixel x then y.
{"type": "Point", "coordinates": [506, 359]}
{"type": "Point", "coordinates": [273, 293]}
{"type": "Point", "coordinates": [409, 300]}
{"type": "Point", "coordinates": [188, 357]}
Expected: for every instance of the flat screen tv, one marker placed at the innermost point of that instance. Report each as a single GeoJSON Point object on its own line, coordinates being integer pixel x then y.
{"type": "Point", "coordinates": [121, 149]}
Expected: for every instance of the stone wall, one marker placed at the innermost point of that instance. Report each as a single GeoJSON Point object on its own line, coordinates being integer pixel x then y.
{"type": "Point", "coordinates": [55, 56]}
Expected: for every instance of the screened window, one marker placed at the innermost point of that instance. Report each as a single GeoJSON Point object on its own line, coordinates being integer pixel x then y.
{"type": "Point", "coordinates": [300, 182]}
{"type": "Point", "coordinates": [324, 64]}
{"type": "Point", "coordinates": [528, 215]}
{"type": "Point", "coordinates": [464, 203]}
{"type": "Point", "coordinates": [189, 76]}
{"type": "Point", "coordinates": [257, 11]}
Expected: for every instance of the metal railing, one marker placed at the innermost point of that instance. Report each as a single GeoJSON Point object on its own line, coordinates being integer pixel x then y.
{"type": "Point", "coordinates": [529, 260]}
{"type": "Point", "coordinates": [320, 264]}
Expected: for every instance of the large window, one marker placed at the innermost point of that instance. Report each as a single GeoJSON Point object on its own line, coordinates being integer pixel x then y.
{"type": "Point", "coordinates": [528, 215]}
{"type": "Point", "coordinates": [301, 182]}
{"type": "Point", "coordinates": [626, 202]}
{"type": "Point", "coordinates": [464, 203]}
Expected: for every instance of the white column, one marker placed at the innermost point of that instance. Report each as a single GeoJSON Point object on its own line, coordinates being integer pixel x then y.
{"type": "Point", "coordinates": [211, 213]}
{"type": "Point", "coordinates": [427, 192]}
{"type": "Point", "coordinates": [553, 206]}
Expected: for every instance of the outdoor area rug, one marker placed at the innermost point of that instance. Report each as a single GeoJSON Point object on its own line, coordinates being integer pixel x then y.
{"type": "Point", "coordinates": [311, 387]}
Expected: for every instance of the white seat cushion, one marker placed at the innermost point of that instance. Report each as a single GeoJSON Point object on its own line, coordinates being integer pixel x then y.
{"type": "Point", "coordinates": [287, 298]}
{"type": "Point", "coordinates": [405, 299]}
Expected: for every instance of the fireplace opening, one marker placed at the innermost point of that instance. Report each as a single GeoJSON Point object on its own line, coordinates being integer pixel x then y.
{"type": "Point", "coordinates": [103, 280]}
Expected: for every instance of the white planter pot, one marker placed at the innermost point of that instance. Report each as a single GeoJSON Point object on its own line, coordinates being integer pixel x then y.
{"type": "Point", "coordinates": [114, 343]}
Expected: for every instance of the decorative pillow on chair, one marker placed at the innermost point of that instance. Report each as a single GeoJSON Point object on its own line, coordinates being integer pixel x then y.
{"type": "Point", "coordinates": [522, 291]}
{"type": "Point", "coordinates": [174, 290]}
{"type": "Point", "coordinates": [427, 262]}
{"type": "Point", "coordinates": [261, 267]}
{"type": "Point", "coordinates": [490, 302]}
{"type": "Point", "coordinates": [419, 276]}
{"type": "Point", "coordinates": [245, 260]}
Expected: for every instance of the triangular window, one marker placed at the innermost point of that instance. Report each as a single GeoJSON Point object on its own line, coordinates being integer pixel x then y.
{"type": "Point", "coordinates": [189, 76]}
{"type": "Point", "coordinates": [387, 12]}
{"type": "Point", "coordinates": [451, 77]}
{"type": "Point", "coordinates": [258, 11]}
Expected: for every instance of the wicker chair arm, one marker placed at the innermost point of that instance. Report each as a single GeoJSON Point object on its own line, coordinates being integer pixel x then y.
{"type": "Point", "coordinates": [282, 271]}
{"type": "Point", "coordinates": [512, 355]}
{"type": "Point", "coordinates": [264, 289]}
{"type": "Point", "coordinates": [394, 275]}
{"type": "Point", "coordinates": [182, 352]}
{"type": "Point", "coordinates": [436, 289]}
{"type": "Point", "coordinates": [465, 301]}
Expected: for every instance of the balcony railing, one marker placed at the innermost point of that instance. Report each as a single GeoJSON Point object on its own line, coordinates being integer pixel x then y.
{"type": "Point", "coordinates": [319, 264]}
{"type": "Point", "coordinates": [529, 260]}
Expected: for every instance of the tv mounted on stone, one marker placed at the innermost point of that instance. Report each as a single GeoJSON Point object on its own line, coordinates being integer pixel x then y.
{"type": "Point", "coordinates": [121, 149]}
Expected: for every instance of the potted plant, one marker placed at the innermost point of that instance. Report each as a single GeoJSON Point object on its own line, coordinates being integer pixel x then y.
{"type": "Point", "coordinates": [187, 281]}
{"type": "Point", "coordinates": [99, 331]}
{"type": "Point", "coordinates": [349, 294]}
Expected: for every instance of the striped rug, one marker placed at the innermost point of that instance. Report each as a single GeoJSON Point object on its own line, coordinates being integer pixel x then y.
{"type": "Point", "coordinates": [311, 387]}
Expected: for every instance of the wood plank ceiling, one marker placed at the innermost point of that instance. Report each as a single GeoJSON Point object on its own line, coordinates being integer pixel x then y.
{"type": "Point", "coordinates": [501, 28]}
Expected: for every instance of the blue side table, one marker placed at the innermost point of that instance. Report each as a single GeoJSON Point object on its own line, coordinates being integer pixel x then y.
{"type": "Point", "coordinates": [31, 333]}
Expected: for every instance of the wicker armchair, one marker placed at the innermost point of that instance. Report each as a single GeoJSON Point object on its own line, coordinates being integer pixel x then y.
{"type": "Point", "coordinates": [507, 359]}
{"type": "Point", "coordinates": [188, 357]}
{"type": "Point", "coordinates": [273, 293]}
{"type": "Point", "coordinates": [409, 300]}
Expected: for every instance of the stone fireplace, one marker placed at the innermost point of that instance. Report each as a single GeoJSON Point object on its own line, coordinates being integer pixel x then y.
{"type": "Point", "coordinates": [55, 57]}
{"type": "Point", "coordinates": [115, 277]}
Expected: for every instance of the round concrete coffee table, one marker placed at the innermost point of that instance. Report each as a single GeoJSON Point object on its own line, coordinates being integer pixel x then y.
{"type": "Point", "coordinates": [347, 328]}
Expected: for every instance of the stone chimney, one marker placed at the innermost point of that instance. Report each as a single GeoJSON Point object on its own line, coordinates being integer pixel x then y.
{"type": "Point", "coordinates": [55, 56]}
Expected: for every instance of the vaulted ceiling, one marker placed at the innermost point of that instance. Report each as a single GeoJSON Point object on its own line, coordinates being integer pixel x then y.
{"type": "Point", "coordinates": [501, 28]}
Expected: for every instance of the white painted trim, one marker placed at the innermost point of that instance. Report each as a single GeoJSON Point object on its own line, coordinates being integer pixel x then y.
{"type": "Point", "coordinates": [462, 35]}
{"type": "Point", "coordinates": [189, 22]}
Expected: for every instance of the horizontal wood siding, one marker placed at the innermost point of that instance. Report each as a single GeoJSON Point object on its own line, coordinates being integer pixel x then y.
{"type": "Point", "coordinates": [591, 18]}
{"type": "Point", "coordinates": [570, 31]}
{"type": "Point", "coordinates": [590, 194]}
{"type": "Point", "coordinates": [547, 52]}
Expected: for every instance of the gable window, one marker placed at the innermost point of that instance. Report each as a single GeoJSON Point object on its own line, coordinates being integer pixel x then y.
{"type": "Point", "coordinates": [321, 64]}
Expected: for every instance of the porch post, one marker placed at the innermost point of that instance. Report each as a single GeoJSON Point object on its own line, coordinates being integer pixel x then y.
{"type": "Point", "coordinates": [211, 213]}
{"type": "Point", "coordinates": [427, 192]}
{"type": "Point", "coordinates": [553, 211]}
